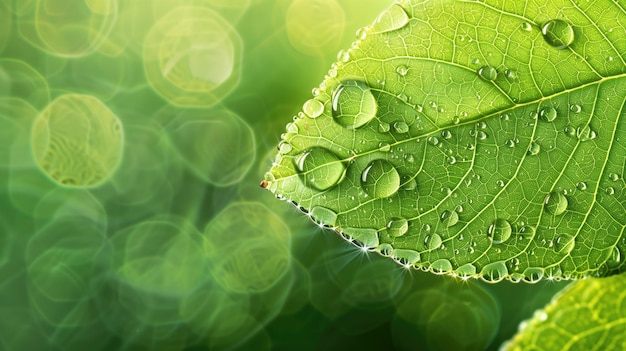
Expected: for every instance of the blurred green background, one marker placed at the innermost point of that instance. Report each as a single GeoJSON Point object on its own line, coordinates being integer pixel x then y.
{"type": "Point", "coordinates": [134, 135]}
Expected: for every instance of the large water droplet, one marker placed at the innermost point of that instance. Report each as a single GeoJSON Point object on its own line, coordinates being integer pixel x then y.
{"type": "Point", "coordinates": [397, 226]}
{"type": "Point", "coordinates": [548, 113]}
{"type": "Point", "coordinates": [380, 179]}
{"type": "Point", "coordinates": [385, 249]}
{"type": "Point", "coordinates": [466, 270]}
{"type": "Point", "coordinates": [406, 257]}
{"type": "Point", "coordinates": [319, 168]}
{"type": "Point", "coordinates": [353, 104]}
{"type": "Point", "coordinates": [499, 231]}
{"type": "Point", "coordinates": [392, 19]}
{"type": "Point", "coordinates": [313, 108]}
{"type": "Point", "coordinates": [449, 218]}
{"type": "Point", "coordinates": [615, 259]}
{"type": "Point", "coordinates": [558, 33]}
{"type": "Point", "coordinates": [585, 133]}
{"type": "Point", "coordinates": [402, 70]}
{"type": "Point", "coordinates": [324, 216]}
{"type": "Point", "coordinates": [555, 203]}
{"type": "Point", "coordinates": [494, 272]}
{"type": "Point", "coordinates": [401, 127]}
{"type": "Point", "coordinates": [366, 236]}
{"type": "Point", "coordinates": [384, 127]}
{"type": "Point", "coordinates": [534, 148]}
{"type": "Point", "coordinates": [441, 266]}
{"type": "Point", "coordinates": [433, 242]}
{"type": "Point", "coordinates": [533, 274]}
{"type": "Point", "coordinates": [487, 73]}
{"type": "Point", "coordinates": [564, 243]}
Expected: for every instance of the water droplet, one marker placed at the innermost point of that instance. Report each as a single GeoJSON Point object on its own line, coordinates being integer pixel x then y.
{"type": "Point", "coordinates": [409, 158]}
{"type": "Point", "coordinates": [466, 270]}
{"type": "Point", "coordinates": [499, 231]}
{"type": "Point", "coordinates": [500, 183]}
{"type": "Point", "coordinates": [433, 140]}
{"type": "Point", "coordinates": [426, 227]}
{"type": "Point", "coordinates": [482, 135]}
{"type": "Point", "coordinates": [533, 274]}
{"type": "Point", "coordinates": [313, 108]}
{"type": "Point", "coordinates": [526, 26]}
{"type": "Point", "coordinates": [570, 130]}
{"type": "Point", "coordinates": [401, 127]}
{"type": "Point", "coordinates": [433, 242]}
{"type": "Point", "coordinates": [323, 215]}
{"type": "Point", "coordinates": [494, 272]}
{"type": "Point", "coordinates": [451, 160]}
{"type": "Point", "coordinates": [392, 19]}
{"type": "Point", "coordinates": [548, 113]}
{"type": "Point", "coordinates": [456, 120]}
{"type": "Point", "coordinates": [487, 73]}
{"type": "Point", "coordinates": [509, 143]}
{"type": "Point", "coordinates": [353, 104]}
{"type": "Point", "coordinates": [383, 127]}
{"type": "Point", "coordinates": [385, 249]}
{"type": "Point", "coordinates": [319, 168]}
{"type": "Point", "coordinates": [366, 236]}
{"type": "Point", "coordinates": [585, 133]}
{"type": "Point", "coordinates": [534, 148]}
{"type": "Point", "coordinates": [558, 33]}
{"type": "Point", "coordinates": [441, 266]}
{"type": "Point", "coordinates": [555, 203]}
{"type": "Point", "coordinates": [510, 74]}
{"type": "Point", "coordinates": [615, 259]}
{"type": "Point", "coordinates": [614, 177]}
{"type": "Point", "coordinates": [582, 186]}
{"type": "Point", "coordinates": [564, 243]}
{"type": "Point", "coordinates": [384, 147]}
{"type": "Point", "coordinates": [449, 218]}
{"type": "Point", "coordinates": [284, 147]}
{"type": "Point", "coordinates": [361, 33]}
{"type": "Point", "coordinates": [446, 134]}
{"type": "Point", "coordinates": [406, 257]}
{"type": "Point", "coordinates": [380, 179]}
{"type": "Point", "coordinates": [343, 55]}
{"type": "Point", "coordinates": [402, 70]}
{"type": "Point", "coordinates": [610, 190]}
{"type": "Point", "coordinates": [410, 185]}
{"type": "Point", "coordinates": [575, 108]}
{"type": "Point", "coordinates": [397, 226]}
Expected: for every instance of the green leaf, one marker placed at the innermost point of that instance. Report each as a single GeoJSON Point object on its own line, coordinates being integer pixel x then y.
{"type": "Point", "coordinates": [579, 318]}
{"type": "Point", "coordinates": [472, 138]}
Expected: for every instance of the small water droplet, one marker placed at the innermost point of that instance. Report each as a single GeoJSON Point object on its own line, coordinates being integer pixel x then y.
{"type": "Point", "coordinates": [575, 108]}
{"type": "Point", "coordinates": [441, 266]}
{"type": "Point", "coordinates": [433, 140]}
{"type": "Point", "coordinates": [585, 133]}
{"type": "Point", "coordinates": [319, 168]}
{"type": "Point", "coordinates": [353, 104]}
{"type": "Point", "coordinates": [499, 231]}
{"type": "Point", "coordinates": [610, 190]}
{"type": "Point", "coordinates": [384, 127]}
{"type": "Point", "coordinates": [380, 179]}
{"type": "Point", "coordinates": [466, 270]}
{"type": "Point", "coordinates": [481, 135]}
{"type": "Point", "coordinates": [406, 257]}
{"type": "Point", "coordinates": [397, 227]}
{"type": "Point", "coordinates": [615, 259]}
{"type": "Point", "coordinates": [534, 148]}
{"type": "Point", "coordinates": [402, 70]}
{"type": "Point", "coordinates": [433, 242]}
{"type": "Point", "coordinates": [343, 55]}
{"type": "Point", "coordinates": [401, 127]}
{"type": "Point", "coordinates": [291, 128]}
{"type": "Point", "coordinates": [487, 73]}
{"type": "Point", "coordinates": [392, 19]}
{"type": "Point", "coordinates": [548, 113]}
{"type": "Point", "coordinates": [558, 33]}
{"type": "Point", "coordinates": [494, 272]}
{"type": "Point", "coordinates": [449, 218]}
{"type": "Point", "coordinates": [509, 143]}
{"type": "Point", "coordinates": [564, 243]}
{"type": "Point", "coordinates": [451, 160]}
{"type": "Point", "coordinates": [500, 183]}
{"type": "Point", "coordinates": [323, 215]}
{"type": "Point", "coordinates": [526, 26]}
{"type": "Point", "coordinates": [313, 108]}
{"type": "Point", "coordinates": [456, 120]}
{"type": "Point", "coordinates": [582, 186]}
{"type": "Point", "coordinates": [409, 158]}
{"type": "Point", "coordinates": [533, 274]}
{"type": "Point", "coordinates": [368, 237]}
{"type": "Point", "coordinates": [510, 74]}
{"type": "Point", "coordinates": [384, 147]}
{"type": "Point", "coordinates": [614, 177]}
{"type": "Point", "coordinates": [410, 185]}
{"type": "Point", "coordinates": [361, 33]}
{"type": "Point", "coordinates": [385, 249]}
{"type": "Point", "coordinates": [555, 203]}
{"type": "Point", "coordinates": [284, 147]}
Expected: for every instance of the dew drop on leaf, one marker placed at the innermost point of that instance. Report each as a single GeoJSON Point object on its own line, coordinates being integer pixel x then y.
{"type": "Point", "coordinates": [366, 236]}
{"type": "Point", "coordinates": [313, 108]}
{"type": "Point", "coordinates": [494, 272]}
{"type": "Point", "coordinates": [499, 231]}
{"type": "Point", "coordinates": [392, 19]}
{"type": "Point", "coordinates": [433, 242]}
{"type": "Point", "coordinates": [534, 148]}
{"type": "Point", "coordinates": [406, 257]}
{"type": "Point", "coordinates": [558, 33]}
{"type": "Point", "coordinates": [487, 73]}
{"type": "Point", "coordinates": [526, 26]}
{"type": "Point", "coordinates": [615, 258]}
{"type": "Point", "coordinates": [449, 218]}
{"type": "Point", "coordinates": [548, 114]}
{"type": "Point", "coordinates": [353, 104]}
{"type": "Point", "coordinates": [466, 270]}
{"type": "Point", "coordinates": [380, 179]}
{"type": "Point", "coordinates": [397, 227]}
{"type": "Point", "coordinates": [401, 127]}
{"type": "Point", "coordinates": [533, 274]}
{"type": "Point", "coordinates": [564, 243]}
{"type": "Point", "coordinates": [384, 127]}
{"type": "Point", "coordinates": [441, 266]}
{"type": "Point", "coordinates": [323, 215]}
{"type": "Point", "coordinates": [555, 203]}
{"type": "Point", "coordinates": [582, 186]}
{"type": "Point", "coordinates": [319, 168]}
{"type": "Point", "coordinates": [402, 70]}
{"type": "Point", "coordinates": [385, 249]}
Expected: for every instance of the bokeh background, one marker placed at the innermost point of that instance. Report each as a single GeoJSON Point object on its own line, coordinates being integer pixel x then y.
{"type": "Point", "coordinates": [133, 136]}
